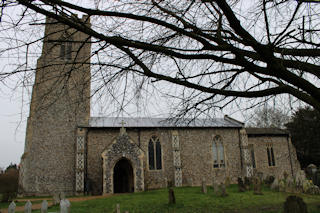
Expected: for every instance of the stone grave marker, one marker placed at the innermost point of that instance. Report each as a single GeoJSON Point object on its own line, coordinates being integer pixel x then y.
{"type": "Point", "coordinates": [28, 207]}
{"type": "Point", "coordinates": [295, 204]}
{"type": "Point", "coordinates": [56, 199]}
{"type": "Point", "coordinates": [64, 208]}
{"type": "Point", "coordinates": [275, 185]}
{"type": "Point", "coordinates": [12, 207]}
{"type": "Point", "coordinates": [257, 186]}
{"type": "Point", "coordinates": [241, 185]}
{"type": "Point", "coordinates": [204, 187]}
{"type": "Point", "coordinates": [44, 207]}
{"type": "Point", "coordinates": [223, 191]}
{"type": "Point", "coordinates": [118, 208]}
{"type": "Point", "coordinates": [247, 183]}
{"type": "Point", "coordinates": [227, 181]}
{"type": "Point", "coordinates": [282, 186]}
{"type": "Point", "coordinates": [172, 198]}
{"type": "Point", "coordinates": [190, 182]}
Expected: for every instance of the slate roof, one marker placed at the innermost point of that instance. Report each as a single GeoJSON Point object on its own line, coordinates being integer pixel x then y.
{"type": "Point", "coordinates": [265, 131]}
{"type": "Point", "coordinates": [163, 122]}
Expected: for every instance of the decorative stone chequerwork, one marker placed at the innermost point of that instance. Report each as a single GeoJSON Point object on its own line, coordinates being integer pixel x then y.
{"type": "Point", "coordinates": [247, 164]}
{"type": "Point", "coordinates": [80, 163]}
{"type": "Point", "coordinates": [122, 148]}
{"type": "Point", "coordinates": [176, 159]}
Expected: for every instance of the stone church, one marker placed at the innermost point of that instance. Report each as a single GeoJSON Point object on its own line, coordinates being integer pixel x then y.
{"type": "Point", "coordinates": [68, 151]}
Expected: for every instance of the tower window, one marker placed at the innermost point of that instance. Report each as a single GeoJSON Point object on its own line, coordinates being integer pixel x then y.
{"type": "Point", "coordinates": [155, 155]}
{"type": "Point", "coordinates": [218, 153]}
{"type": "Point", "coordinates": [66, 49]}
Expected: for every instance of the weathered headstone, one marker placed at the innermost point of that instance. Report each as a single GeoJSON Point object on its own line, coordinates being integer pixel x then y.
{"type": "Point", "coordinates": [275, 185]}
{"type": "Point", "coordinates": [28, 207]}
{"type": "Point", "coordinates": [227, 181]}
{"type": "Point", "coordinates": [12, 207]}
{"type": "Point", "coordinates": [295, 204]}
{"type": "Point", "coordinates": [62, 196]}
{"type": "Point", "coordinates": [260, 176]}
{"type": "Point", "coordinates": [290, 187]}
{"type": "Point", "coordinates": [282, 186]}
{"type": "Point", "coordinates": [56, 199]}
{"type": "Point", "coordinates": [172, 198]}
{"type": "Point", "coordinates": [64, 206]}
{"type": "Point", "coordinates": [306, 185]}
{"type": "Point", "coordinates": [257, 186]}
{"type": "Point", "coordinates": [215, 188]}
{"type": "Point", "coordinates": [241, 185]}
{"type": "Point", "coordinates": [118, 208]}
{"type": "Point", "coordinates": [44, 207]}
{"type": "Point", "coordinates": [247, 183]}
{"type": "Point", "coordinates": [204, 186]}
{"type": "Point", "coordinates": [222, 189]}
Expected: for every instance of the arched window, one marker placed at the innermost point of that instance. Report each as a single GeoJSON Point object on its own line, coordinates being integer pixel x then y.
{"type": "Point", "coordinates": [154, 150]}
{"type": "Point", "coordinates": [271, 161]}
{"type": "Point", "coordinates": [218, 153]}
{"type": "Point", "coordinates": [66, 47]}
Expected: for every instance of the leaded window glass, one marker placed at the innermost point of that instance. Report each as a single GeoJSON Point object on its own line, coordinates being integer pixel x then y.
{"type": "Point", "coordinates": [218, 153]}
{"type": "Point", "coordinates": [155, 154]}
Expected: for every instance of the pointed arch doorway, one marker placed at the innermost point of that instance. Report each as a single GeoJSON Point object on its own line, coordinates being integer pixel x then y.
{"type": "Point", "coordinates": [123, 177]}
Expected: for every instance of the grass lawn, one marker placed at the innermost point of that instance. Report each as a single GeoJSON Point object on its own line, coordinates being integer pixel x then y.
{"type": "Point", "coordinates": [190, 199]}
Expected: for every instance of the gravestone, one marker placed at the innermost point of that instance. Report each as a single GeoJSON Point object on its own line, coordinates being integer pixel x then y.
{"type": "Point", "coordinates": [204, 187]}
{"type": "Point", "coordinates": [260, 176]}
{"type": "Point", "coordinates": [12, 207]}
{"type": "Point", "coordinates": [295, 204]}
{"type": "Point", "coordinates": [227, 181]}
{"type": "Point", "coordinates": [257, 186]}
{"type": "Point", "coordinates": [215, 188]}
{"type": "Point", "coordinates": [222, 189]}
{"type": "Point", "coordinates": [247, 183]}
{"type": "Point", "coordinates": [44, 207]}
{"type": "Point", "coordinates": [290, 187]}
{"type": "Point", "coordinates": [64, 206]}
{"type": "Point", "coordinates": [241, 186]}
{"type": "Point", "coordinates": [62, 196]}
{"type": "Point", "coordinates": [28, 207]}
{"type": "Point", "coordinates": [275, 185]}
{"type": "Point", "coordinates": [118, 208]}
{"type": "Point", "coordinates": [172, 198]}
{"type": "Point", "coordinates": [56, 199]}
{"type": "Point", "coordinates": [190, 181]}
{"type": "Point", "coordinates": [306, 185]}
{"type": "Point", "coordinates": [282, 186]}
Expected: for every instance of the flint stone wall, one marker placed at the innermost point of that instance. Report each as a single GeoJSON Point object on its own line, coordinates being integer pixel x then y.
{"type": "Point", "coordinates": [281, 155]}
{"type": "Point", "coordinates": [195, 148]}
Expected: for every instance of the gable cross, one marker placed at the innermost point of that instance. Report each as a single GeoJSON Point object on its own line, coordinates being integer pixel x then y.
{"type": "Point", "coordinates": [122, 130]}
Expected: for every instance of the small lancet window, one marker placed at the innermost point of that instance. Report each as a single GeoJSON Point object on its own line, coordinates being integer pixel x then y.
{"type": "Point", "coordinates": [218, 153]}
{"type": "Point", "coordinates": [253, 160]}
{"type": "Point", "coordinates": [155, 155]}
{"type": "Point", "coordinates": [271, 160]}
{"type": "Point", "coordinates": [66, 48]}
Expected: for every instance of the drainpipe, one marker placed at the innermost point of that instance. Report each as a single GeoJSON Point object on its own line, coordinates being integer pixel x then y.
{"type": "Point", "coordinates": [288, 137]}
{"type": "Point", "coordinates": [241, 163]}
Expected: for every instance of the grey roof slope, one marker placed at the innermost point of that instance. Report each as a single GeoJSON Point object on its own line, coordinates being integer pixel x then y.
{"type": "Point", "coordinates": [162, 122]}
{"type": "Point", "coordinates": [266, 131]}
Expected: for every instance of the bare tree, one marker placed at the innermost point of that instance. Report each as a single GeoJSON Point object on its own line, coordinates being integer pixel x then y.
{"type": "Point", "coordinates": [269, 117]}
{"type": "Point", "coordinates": [205, 55]}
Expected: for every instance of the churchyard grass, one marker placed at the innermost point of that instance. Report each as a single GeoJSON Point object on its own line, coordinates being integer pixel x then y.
{"type": "Point", "coordinates": [191, 199]}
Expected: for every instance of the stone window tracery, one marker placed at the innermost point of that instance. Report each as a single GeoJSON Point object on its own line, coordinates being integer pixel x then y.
{"type": "Point", "coordinates": [218, 153]}
{"type": "Point", "coordinates": [155, 154]}
{"type": "Point", "coordinates": [271, 160]}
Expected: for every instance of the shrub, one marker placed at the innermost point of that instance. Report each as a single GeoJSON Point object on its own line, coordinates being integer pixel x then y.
{"type": "Point", "coordinates": [9, 185]}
